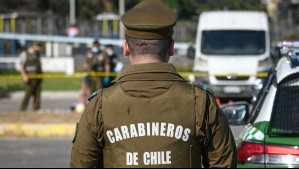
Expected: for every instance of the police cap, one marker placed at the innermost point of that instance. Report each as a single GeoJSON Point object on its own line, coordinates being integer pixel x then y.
{"type": "Point", "coordinates": [150, 20]}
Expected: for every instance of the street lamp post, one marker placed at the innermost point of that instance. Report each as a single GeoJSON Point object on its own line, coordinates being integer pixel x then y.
{"type": "Point", "coordinates": [72, 12]}
{"type": "Point", "coordinates": [121, 12]}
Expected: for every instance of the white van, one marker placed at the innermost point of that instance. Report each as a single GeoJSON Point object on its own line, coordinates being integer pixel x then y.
{"type": "Point", "coordinates": [232, 48]}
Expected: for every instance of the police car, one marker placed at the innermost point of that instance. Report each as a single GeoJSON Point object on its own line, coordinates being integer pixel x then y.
{"type": "Point", "coordinates": [271, 135]}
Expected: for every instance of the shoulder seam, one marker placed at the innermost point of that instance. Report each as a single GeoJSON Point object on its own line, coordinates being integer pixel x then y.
{"type": "Point", "coordinates": [203, 87]}
{"type": "Point", "coordinates": [94, 94]}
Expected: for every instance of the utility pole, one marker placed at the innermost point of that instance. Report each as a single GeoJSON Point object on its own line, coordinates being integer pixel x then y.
{"type": "Point", "coordinates": [72, 12]}
{"type": "Point", "coordinates": [121, 13]}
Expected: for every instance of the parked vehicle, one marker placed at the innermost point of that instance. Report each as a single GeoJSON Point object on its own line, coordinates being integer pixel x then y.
{"type": "Point", "coordinates": [233, 52]}
{"type": "Point", "coordinates": [281, 48]}
{"type": "Point", "coordinates": [271, 135]}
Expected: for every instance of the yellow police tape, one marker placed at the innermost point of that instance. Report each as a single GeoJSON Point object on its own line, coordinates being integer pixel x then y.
{"type": "Point", "coordinates": [58, 76]}
{"type": "Point", "coordinates": [103, 74]}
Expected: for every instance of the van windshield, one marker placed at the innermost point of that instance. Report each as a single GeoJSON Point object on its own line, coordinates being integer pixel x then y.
{"type": "Point", "coordinates": [233, 42]}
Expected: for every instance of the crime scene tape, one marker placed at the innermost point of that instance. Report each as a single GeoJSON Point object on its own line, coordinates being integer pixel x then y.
{"type": "Point", "coordinates": [58, 76]}
{"type": "Point", "coordinates": [103, 74]}
{"type": "Point", "coordinates": [198, 74]}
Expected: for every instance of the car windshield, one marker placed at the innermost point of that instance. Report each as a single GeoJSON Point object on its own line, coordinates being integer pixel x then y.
{"type": "Point", "coordinates": [285, 114]}
{"type": "Point", "coordinates": [233, 42]}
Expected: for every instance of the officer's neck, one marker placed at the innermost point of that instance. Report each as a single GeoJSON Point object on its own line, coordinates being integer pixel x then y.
{"type": "Point", "coordinates": [144, 59]}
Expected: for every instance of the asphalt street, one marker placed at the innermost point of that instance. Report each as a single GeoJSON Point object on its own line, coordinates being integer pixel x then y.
{"type": "Point", "coordinates": [35, 153]}
{"type": "Point", "coordinates": [59, 104]}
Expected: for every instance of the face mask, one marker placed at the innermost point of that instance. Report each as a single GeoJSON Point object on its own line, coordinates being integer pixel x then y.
{"type": "Point", "coordinates": [94, 50]}
{"type": "Point", "coordinates": [110, 52]}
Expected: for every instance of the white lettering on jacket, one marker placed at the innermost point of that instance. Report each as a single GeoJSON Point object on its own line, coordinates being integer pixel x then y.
{"type": "Point", "coordinates": [153, 129]}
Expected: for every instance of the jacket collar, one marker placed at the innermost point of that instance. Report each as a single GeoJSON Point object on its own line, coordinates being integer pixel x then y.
{"type": "Point", "coordinates": [138, 71]}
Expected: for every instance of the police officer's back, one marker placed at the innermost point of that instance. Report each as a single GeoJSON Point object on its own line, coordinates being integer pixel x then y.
{"type": "Point", "coordinates": [152, 117]}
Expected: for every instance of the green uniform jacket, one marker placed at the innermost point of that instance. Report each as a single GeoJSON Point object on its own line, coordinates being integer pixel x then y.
{"type": "Point", "coordinates": [206, 139]}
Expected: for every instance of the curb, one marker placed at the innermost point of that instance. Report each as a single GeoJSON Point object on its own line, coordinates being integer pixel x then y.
{"type": "Point", "coordinates": [37, 130]}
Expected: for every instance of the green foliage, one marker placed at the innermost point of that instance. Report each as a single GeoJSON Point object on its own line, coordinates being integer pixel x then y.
{"type": "Point", "coordinates": [131, 3]}
{"type": "Point", "coordinates": [48, 85]}
{"type": "Point", "coordinates": [11, 85]}
{"type": "Point", "coordinates": [243, 5]}
{"type": "Point", "coordinates": [61, 84]}
{"type": "Point", "coordinates": [13, 72]}
{"type": "Point", "coordinates": [86, 9]}
{"type": "Point", "coordinates": [292, 36]}
{"type": "Point", "coordinates": [58, 6]}
{"type": "Point", "coordinates": [174, 4]}
{"type": "Point", "coordinates": [188, 8]}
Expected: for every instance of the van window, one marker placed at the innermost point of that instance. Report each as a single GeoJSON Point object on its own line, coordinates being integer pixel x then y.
{"type": "Point", "coordinates": [233, 42]}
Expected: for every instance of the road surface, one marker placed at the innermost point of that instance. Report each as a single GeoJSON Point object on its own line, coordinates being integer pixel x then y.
{"type": "Point", "coordinates": [35, 153]}
{"type": "Point", "coordinates": [38, 152]}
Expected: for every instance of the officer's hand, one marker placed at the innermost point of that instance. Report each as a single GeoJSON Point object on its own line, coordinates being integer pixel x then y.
{"type": "Point", "coordinates": [25, 79]}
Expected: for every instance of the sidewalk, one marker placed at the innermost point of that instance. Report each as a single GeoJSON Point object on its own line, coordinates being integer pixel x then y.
{"type": "Point", "coordinates": [50, 101]}
{"type": "Point", "coordinates": [37, 130]}
{"type": "Point", "coordinates": [38, 124]}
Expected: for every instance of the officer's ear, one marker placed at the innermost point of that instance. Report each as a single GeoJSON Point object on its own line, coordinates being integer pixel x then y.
{"type": "Point", "coordinates": [171, 48]}
{"type": "Point", "coordinates": [126, 48]}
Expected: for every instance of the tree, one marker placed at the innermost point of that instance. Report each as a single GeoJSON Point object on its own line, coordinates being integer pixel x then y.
{"type": "Point", "coordinates": [243, 5]}
{"type": "Point", "coordinates": [86, 9]}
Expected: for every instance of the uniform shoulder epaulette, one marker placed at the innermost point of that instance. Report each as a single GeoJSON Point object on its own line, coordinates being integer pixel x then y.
{"type": "Point", "coordinates": [94, 94]}
{"type": "Point", "coordinates": [204, 87]}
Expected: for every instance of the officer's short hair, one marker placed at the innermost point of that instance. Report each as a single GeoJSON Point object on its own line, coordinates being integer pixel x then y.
{"type": "Point", "coordinates": [154, 47]}
{"type": "Point", "coordinates": [36, 45]}
{"type": "Point", "coordinates": [96, 42]}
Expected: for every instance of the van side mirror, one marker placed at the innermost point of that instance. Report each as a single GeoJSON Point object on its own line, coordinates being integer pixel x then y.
{"type": "Point", "coordinates": [191, 52]}
{"type": "Point", "coordinates": [237, 113]}
{"type": "Point", "coordinates": [276, 53]}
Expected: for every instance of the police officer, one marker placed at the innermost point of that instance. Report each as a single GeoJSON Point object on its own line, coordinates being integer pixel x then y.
{"type": "Point", "coordinates": [97, 61]}
{"type": "Point", "coordinates": [152, 117]}
{"type": "Point", "coordinates": [31, 65]}
{"type": "Point", "coordinates": [113, 62]}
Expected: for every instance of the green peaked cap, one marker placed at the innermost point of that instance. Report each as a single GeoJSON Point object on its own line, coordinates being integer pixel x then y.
{"type": "Point", "coordinates": [150, 20]}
